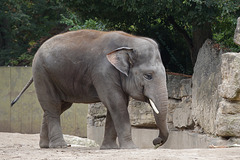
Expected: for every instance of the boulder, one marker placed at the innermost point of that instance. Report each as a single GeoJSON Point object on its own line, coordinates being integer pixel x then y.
{"type": "Point", "coordinates": [216, 92]}
{"type": "Point", "coordinates": [230, 86]}
{"type": "Point", "coordinates": [228, 125]}
{"type": "Point", "coordinates": [174, 85]}
{"type": "Point", "coordinates": [228, 114]}
{"type": "Point", "coordinates": [172, 105]}
{"type": "Point", "coordinates": [228, 107]}
{"type": "Point", "coordinates": [96, 115]}
{"type": "Point", "coordinates": [182, 115]}
{"type": "Point", "coordinates": [141, 114]}
{"type": "Point", "coordinates": [237, 33]}
{"type": "Point", "coordinates": [205, 81]}
{"type": "Point", "coordinates": [185, 87]}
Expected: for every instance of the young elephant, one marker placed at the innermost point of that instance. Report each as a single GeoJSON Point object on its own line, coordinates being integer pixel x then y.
{"type": "Point", "coordinates": [88, 66]}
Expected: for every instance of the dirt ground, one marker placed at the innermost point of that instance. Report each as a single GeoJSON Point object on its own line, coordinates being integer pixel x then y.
{"type": "Point", "coordinates": [17, 146]}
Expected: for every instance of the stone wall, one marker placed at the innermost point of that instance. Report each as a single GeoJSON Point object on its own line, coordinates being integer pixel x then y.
{"type": "Point", "coordinates": [209, 102]}
{"type": "Point", "coordinates": [180, 100]}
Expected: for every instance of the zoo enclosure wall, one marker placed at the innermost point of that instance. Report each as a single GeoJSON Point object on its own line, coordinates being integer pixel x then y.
{"type": "Point", "coordinates": [26, 115]}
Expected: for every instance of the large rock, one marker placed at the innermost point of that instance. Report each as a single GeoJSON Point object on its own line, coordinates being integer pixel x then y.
{"type": "Point", "coordinates": [141, 114]}
{"type": "Point", "coordinates": [228, 115]}
{"type": "Point", "coordinates": [96, 114]}
{"type": "Point", "coordinates": [228, 119]}
{"type": "Point", "coordinates": [185, 88]}
{"type": "Point", "coordinates": [174, 85]}
{"type": "Point", "coordinates": [228, 125]}
{"type": "Point", "coordinates": [173, 104]}
{"type": "Point", "coordinates": [182, 115]}
{"type": "Point", "coordinates": [230, 87]}
{"type": "Point", "coordinates": [237, 32]}
{"type": "Point", "coordinates": [205, 81]}
{"type": "Point", "coordinates": [180, 101]}
{"type": "Point", "coordinates": [216, 92]}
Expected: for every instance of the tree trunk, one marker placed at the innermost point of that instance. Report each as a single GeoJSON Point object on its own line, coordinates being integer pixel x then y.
{"type": "Point", "coordinates": [200, 33]}
{"type": "Point", "coordinates": [5, 40]}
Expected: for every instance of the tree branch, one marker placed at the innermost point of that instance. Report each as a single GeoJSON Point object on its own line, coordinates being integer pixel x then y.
{"type": "Point", "coordinates": [181, 31]}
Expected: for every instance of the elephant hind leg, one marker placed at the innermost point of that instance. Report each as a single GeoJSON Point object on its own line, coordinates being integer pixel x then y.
{"type": "Point", "coordinates": [51, 133]}
{"type": "Point", "coordinates": [53, 106]}
{"type": "Point", "coordinates": [55, 134]}
{"type": "Point", "coordinates": [110, 134]}
{"type": "Point", "coordinates": [44, 141]}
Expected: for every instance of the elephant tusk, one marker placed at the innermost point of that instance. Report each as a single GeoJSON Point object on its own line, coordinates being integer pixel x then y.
{"type": "Point", "coordinates": [153, 106]}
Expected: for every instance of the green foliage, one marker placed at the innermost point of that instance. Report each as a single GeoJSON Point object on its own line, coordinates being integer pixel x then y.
{"type": "Point", "coordinates": [23, 22]}
{"type": "Point", "coordinates": [173, 21]}
{"type": "Point", "coordinates": [75, 23]}
{"type": "Point", "coordinates": [23, 59]}
{"type": "Point", "coordinates": [224, 31]}
{"type": "Point", "coordinates": [26, 24]}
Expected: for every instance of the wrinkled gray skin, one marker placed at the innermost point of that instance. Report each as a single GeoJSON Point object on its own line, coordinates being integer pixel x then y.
{"type": "Point", "coordinates": [89, 66]}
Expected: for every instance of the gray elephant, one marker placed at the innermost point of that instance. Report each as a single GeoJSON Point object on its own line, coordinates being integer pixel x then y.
{"type": "Point", "coordinates": [88, 66]}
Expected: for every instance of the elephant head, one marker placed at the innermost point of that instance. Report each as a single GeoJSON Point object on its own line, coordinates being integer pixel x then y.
{"type": "Point", "coordinates": [144, 79]}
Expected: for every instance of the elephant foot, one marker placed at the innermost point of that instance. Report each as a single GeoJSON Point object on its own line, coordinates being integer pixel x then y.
{"type": "Point", "coordinates": [58, 144]}
{"type": "Point", "coordinates": [109, 146]}
{"type": "Point", "coordinates": [44, 143]}
{"type": "Point", "coordinates": [128, 145]}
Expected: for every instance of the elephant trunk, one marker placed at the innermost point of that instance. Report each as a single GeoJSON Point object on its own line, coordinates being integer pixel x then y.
{"type": "Point", "coordinates": [159, 103]}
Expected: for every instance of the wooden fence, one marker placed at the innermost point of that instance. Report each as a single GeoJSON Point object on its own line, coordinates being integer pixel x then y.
{"type": "Point", "coordinates": [26, 115]}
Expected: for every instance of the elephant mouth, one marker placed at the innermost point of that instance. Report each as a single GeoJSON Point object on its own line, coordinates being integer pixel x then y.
{"type": "Point", "coordinates": [152, 104]}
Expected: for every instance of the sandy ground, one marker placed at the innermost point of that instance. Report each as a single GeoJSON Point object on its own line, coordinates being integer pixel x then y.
{"type": "Point", "coordinates": [25, 146]}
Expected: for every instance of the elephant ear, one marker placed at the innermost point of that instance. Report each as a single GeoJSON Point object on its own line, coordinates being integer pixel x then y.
{"type": "Point", "coordinates": [120, 59]}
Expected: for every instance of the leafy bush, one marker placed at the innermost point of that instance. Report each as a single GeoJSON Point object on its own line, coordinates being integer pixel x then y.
{"type": "Point", "coordinates": [24, 59]}
{"type": "Point", "coordinates": [224, 31]}
{"type": "Point", "coordinates": [25, 22]}
{"type": "Point", "coordinates": [176, 25]}
{"type": "Point", "coordinates": [75, 23]}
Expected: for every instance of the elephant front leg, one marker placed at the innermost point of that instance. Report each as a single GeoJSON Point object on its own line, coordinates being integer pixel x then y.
{"type": "Point", "coordinates": [120, 117]}
{"type": "Point", "coordinates": [124, 133]}
{"type": "Point", "coordinates": [110, 134]}
{"type": "Point", "coordinates": [116, 101]}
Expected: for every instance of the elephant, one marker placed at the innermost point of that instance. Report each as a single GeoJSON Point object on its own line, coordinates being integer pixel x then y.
{"type": "Point", "coordinates": [89, 66]}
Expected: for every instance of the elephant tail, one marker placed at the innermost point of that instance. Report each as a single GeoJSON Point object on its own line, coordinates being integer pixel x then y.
{"type": "Point", "coordinates": [23, 90]}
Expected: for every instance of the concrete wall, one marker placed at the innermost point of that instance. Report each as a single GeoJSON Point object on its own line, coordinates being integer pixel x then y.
{"type": "Point", "coordinates": [26, 115]}
{"type": "Point", "coordinates": [178, 139]}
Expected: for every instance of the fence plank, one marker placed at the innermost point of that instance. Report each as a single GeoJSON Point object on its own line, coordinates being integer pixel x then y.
{"type": "Point", "coordinates": [37, 113]}
{"type": "Point", "coordinates": [16, 82]}
{"type": "Point", "coordinates": [5, 116]}
{"type": "Point", "coordinates": [81, 119]}
{"type": "Point", "coordinates": [68, 121]}
{"type": "Point", "coordinates": [26, 108]}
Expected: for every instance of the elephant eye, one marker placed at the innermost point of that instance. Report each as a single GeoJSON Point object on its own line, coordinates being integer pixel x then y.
{"type": "Point", "coordinates": [148, 76]}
